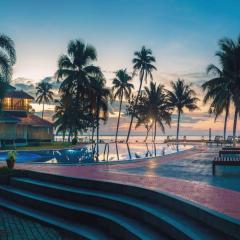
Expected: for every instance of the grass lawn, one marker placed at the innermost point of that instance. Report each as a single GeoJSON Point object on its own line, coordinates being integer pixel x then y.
{"type": "Point", "coordinates": [43, 146]}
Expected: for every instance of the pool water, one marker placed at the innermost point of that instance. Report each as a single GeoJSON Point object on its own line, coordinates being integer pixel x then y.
{"type": "Point", "coordinates": [88, 154]}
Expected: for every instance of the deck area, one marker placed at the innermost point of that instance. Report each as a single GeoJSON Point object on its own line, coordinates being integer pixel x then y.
{"type": "Point", "coordinates": [186, 175]}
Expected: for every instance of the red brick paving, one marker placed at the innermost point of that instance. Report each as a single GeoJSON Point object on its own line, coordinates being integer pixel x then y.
{"type": "Point", "coordinates": [219, 199]}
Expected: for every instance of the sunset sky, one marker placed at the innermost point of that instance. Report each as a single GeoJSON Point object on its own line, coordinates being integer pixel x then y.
{"type": "Point", "coordinates": [183, 36]}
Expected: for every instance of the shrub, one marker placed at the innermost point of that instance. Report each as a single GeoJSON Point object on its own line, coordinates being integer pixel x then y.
{"type": "Point", "coordinates": [74, 141]}
{"type": "Point", "coordinates": [11, 159]}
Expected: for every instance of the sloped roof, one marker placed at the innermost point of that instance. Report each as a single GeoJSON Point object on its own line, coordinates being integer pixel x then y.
{"type": "Point", "coordinates": [34, 120]}
{"type": "Point", "coordinates": [29, 119]}
{"type": "Point", "coordinates": [17, 94]}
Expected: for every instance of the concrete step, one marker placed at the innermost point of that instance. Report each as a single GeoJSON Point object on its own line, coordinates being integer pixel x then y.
{"type": "Point", "coordinates": [72, 230]}
{"type": "Point", "coordinates": [113, 222]}
{"type": "Point", "coordinates": [213, 219]}
{"type": "Point", "coordinates": [171, 222]}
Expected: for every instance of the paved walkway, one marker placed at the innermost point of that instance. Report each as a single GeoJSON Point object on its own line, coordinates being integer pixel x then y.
{"type": "Point", "coordinates": [17, 228]}
{"type": "Point", "coordinates": [220, 199]}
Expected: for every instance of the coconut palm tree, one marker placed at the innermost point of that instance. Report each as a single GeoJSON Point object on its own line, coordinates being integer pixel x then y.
{"type": "Point", "coordinates": [143, 65]}
{"type": "Point", "coordinates": [102, 97]}
{"type": "Point", "coordinates": [229, 56]}
{"type": "Point", "coordinates": [7, 56]}
{"type": "Point", "coordinates": [182, 96]}
{"type": "Point", "coordinates": [121, 88]}
{"type": "Point", "coordinates": [154, 107]}
{"type": "Point", "coordinates": [7, 60]}
{"type": "Point", "coordinates": [44, 93]}
{"type": "Point", "coordinates": [218, 92]}
{"type": "Point", "coordinates": [65, 116]}
{"type": "Point", "coordinates": [75, 68]}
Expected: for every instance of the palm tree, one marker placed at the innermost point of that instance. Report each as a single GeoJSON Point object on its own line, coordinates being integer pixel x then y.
{"type": "Point", "coordinates": [229, 56]}
{"type": "Point", "coordinates": [218, 91]}
{"type": "Point", "coordinates": [154, 106]}
{"type": "Point", "coordinates": [142, 64]}
{"type": "Point", "coordinates": [7, 56]}
{"type": "Point", "coordinates": [7, 60]}
{"type": "Point", "coordinates": [65, 116]}
{"type": "Point", "coordinates": [122, 88]}
{"type": "Point", "coordinates": [44, 93]}
{"type": "Point", "coordinates": [182, 96]}
{"type": "Point", "coordinates": [75, 69]}
{"type": "Point", "coordinates": [102, 97]}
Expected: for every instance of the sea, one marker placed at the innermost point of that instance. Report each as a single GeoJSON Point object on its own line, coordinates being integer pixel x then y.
{"type": "Point", "coordinates": [136, 138]}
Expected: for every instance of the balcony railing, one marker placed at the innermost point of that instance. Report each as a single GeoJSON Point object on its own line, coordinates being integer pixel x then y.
{"type": "Point", "coordinates": [15, 108]}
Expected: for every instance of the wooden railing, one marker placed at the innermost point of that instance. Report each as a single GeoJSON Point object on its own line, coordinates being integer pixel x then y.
{"type": "Point", "coordinates": [15, 108]}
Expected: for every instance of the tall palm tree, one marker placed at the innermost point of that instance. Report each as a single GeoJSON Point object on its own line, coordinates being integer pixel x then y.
{"type": "Point", "coordinates": [229, 56]}
{"type": "Point", "coordinates": [102, 97]}
{"type": "Point", "coordinates": [122, 88]}
{"type": "Point", "coordinates": [44, 93]}
{"type": "Point", "coordinates": [7, 60]}
{"type": "Point", "coordinates": [154, 106]}
{"type": "Point", "coordinates": [75, 68]}
{"type": "Point", "coordinates": [182, 96]}
{"type": "Point", "coordinates": [142, 64]}
{"type": "Point", "coordinates": [7, 56]}
{"type": "Point", "coordinates": [218, 92]}
{"type": "Point", "coordinates": [65, 116]}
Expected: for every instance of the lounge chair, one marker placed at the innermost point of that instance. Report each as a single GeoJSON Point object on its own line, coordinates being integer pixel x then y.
{"type": "Point", "coordinates": [225, 161]}
{"type": "Point", "coordinates": [230, 148]}
{"type": "Point", "coordinates": [229, 151]}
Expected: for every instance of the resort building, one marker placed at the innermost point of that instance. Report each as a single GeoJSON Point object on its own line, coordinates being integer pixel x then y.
{"type": "Point", "coordinates": [18, 125]}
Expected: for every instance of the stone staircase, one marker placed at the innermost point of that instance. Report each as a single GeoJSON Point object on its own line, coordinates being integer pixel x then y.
{"type": "Point", "coordinates": [90, 209]}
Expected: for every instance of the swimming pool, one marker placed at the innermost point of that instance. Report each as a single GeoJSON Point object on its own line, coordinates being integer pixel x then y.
{"type": "Point", "coordinates": [107, 153]}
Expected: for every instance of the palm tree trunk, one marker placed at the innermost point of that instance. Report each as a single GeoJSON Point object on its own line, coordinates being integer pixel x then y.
{"type": "Point", "coordinates": [225, 121]}
{"type": "Point", "coordinates": [129, 152]}
{"type": "Point", "coordinates": [43, 110]}
{"type": "Point", "coordinates": [97, 132]}
{"type": "Point", "coordinates": [93, 129]}
{"type": "Point", "coordinates": [139, 90]}
{"type": "Point", "coordinates": [148, 129]}
{"type": "Point", "coordinates": [155, 130]}
{"type": "Point", "coordinates": [69, 135]}
{"type": "Point", "coordinates": [235, 123]}
{"type": "Point", "coordinates": [119, 114]}
{"type": "Point", "coordinates": [117, 151]}
{"type": "Point", "coordinates": [178, 123]}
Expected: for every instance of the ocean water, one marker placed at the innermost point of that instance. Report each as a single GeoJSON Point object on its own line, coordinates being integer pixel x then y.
{"type": "Point", "coordinates": [135, 139]}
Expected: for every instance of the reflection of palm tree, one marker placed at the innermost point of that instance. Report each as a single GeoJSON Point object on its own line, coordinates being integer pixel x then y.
{"type": "Point", "coordinates": [182, 96]}
{"type": "Point", "coordinates": [155, 149]}
{"type": "Point", "coordinates": [122, 88]}
{"type": "Point", "coordinates": [143, 63]}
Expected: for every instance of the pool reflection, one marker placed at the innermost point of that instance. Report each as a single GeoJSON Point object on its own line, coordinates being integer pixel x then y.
{"type": "Point", "coordinates": [108, 152]}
